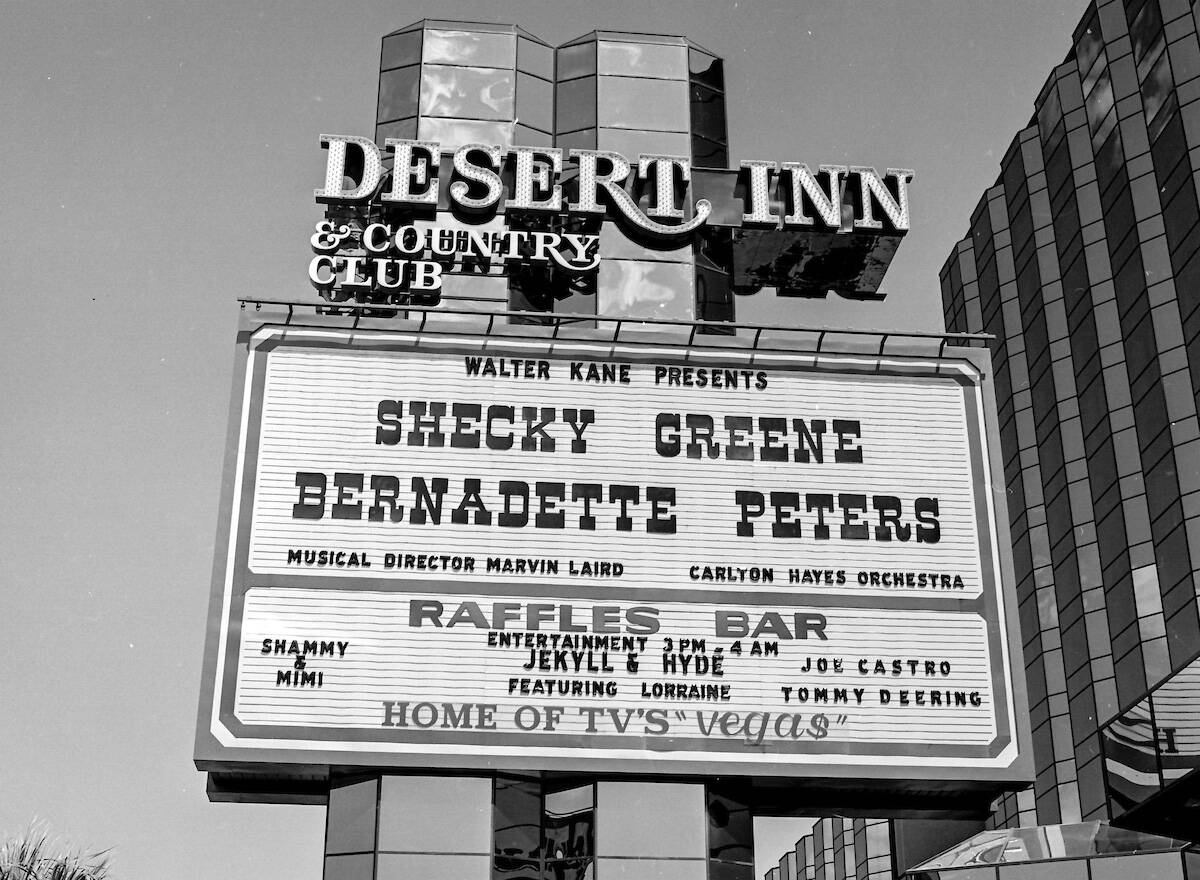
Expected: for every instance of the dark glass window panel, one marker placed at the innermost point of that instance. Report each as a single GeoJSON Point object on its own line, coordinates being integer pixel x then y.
{"type": "Point", "coordinates": [1154, 53]}
{"type": "Point", "coordinates": [1098, 69]}
{"type": "Point", "coordinates": [706, 154]}
{"type": "Point", "coordinates": [706, 69]}
{"type": "Point", "coordinates": [355, 867]}
{"type": "Point", "coordinates": [1106, 127]}
{"type": "Point", "coordinates": [652, 60]}
{"type": "Point", "coordinates": [575, 61]}
{"type": "Point", "coordinates": [1099, 102]}
{"type": "Point", "coordinates": [1109, 159]}
{"type": "Point", "coordinates": [504, 868]}
{"type": "Point", "coordinates": [568, 831]}
{"type": "Point", "coordinates": [1058, 170]}
{"type": "Point", "coordinates": [730, 828]}
{"type": "Point", "coordinates": [1145, 30]}
{"type": "Point", "coordinates": [531, 137]}
{"type": "Point", "coordinates": [1169, 147]}
{"type": "Point", "coordinates": [398, 93]}
{"type": "Point", "coordinates": [535, 102]}
{"type": "Point", "coordinates": [470, 48]}
{"type": "Point", "coordinates": [1184, 245]}
{"type": "Point", "coordinates": [645, 104]}
{"type": "Point", "coordinates": [1131, 675]}
{"type": "Point", "coordinates": [352, 813]}
{"type": "Point", "coordinates": [1180, 215]}
{"type": "Point", "coordinates": [718, 870]}
{"type": "Point", "coordinates": [577, 140]}
{"type": "Point", "coordinates": [534, 58]}
{"type": "Point", "coordinates": [1089, 45]}
{"type": "Point", "coordinates": [575, 104]}
{"type": "Point", "coordinates": [1156, 87]}
{"type": "Point", "coordinates": [405, 129]}
{"type": "Point", "coordinates": [1163, 119]}
{"type": "Point", "coordinates": [400, 50]}
{"type": "Point", "coordinates": [1049, 114]}
{"type": "Point", "coordinates": [466, 92]}
{"type": "Point", "coordinates": [516, 819]}
{"type": "Point", "coordinates": [567, 869]}
{"type": "Point", "coordinates": [708, 114]}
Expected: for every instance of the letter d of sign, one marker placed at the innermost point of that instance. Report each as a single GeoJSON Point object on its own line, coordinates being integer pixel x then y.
{"type": "Point", "coordinates": [335, 169]}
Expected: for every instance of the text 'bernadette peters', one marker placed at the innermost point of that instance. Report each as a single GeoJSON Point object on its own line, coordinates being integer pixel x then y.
{"type": "Point", "coordinates": [528, 428]}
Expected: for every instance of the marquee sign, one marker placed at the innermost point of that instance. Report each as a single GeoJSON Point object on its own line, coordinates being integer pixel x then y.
{"type": "Point", "coordinates": [576, 555]}
{"type": "Point", "coordinates": [652, 196]}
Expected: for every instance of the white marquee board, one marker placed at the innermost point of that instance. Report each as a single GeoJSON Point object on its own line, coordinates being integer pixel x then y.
{"type": "Point", "coordinates": [578, 555]}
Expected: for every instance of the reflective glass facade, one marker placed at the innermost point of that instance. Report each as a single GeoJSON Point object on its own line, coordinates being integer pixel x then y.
{"type": "Point", "coordinates": [1083, 260]}
{"type": "Point", "coordinates": [1084, 851]}
{"type": "Point", "coordinates": [839, 849]}
{"type": "Point", "coordinates": [458, 83]}
{"type": "Point", "coordinates": [509, 827]}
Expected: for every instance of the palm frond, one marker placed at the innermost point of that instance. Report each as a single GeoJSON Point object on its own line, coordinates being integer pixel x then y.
{"type": "Point", "coordinates": [36, 855]}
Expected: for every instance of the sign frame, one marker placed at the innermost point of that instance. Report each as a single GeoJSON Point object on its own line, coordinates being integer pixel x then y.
{"type": "Point", "coordinates": [224, 753]}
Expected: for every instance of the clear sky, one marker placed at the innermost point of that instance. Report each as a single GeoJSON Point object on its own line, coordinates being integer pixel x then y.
{"type": "Point", "coordinates": [159, 160]}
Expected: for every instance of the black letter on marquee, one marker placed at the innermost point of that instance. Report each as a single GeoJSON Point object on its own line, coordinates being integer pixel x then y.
{"type": "Point", "coordinates": [416, 409]}
{"type": "Point", "coordinates": [747, 500]}
{"type": "Point", "coordinates": [785, 503]}
{"type": "Point", "coordinates": [387, 490]}
{"type": "Point", "coordinates": [471, 501]}
{"type": "Point", "coordinates": [845, 428]}
{"type": "Point", "coordinates": [545, 519]}
{"type": "Point", "coordinates": [930, 530]}
{"type": "Point", "coordinates": [388, 432]}
{"type": "Point", "coordinates": [667, 448]}
{"type": "Point", "coordinates": [624, 495]}
{"type": "Point", "coordinates": [890, 508]}
{"type": "Point", "coordinates": [312, 503]}
{"type": "Point", "coordinates": [510, 488]}
{"type": "Point", "coordinates": [852, 505]}
{"type": "Point", "coordinates": [425, 506]}
{"type": "Point", "coordinates": [660, 498]}
{"type": "Point", "coordinates": [529, 443]}
{"type": "Point", "coordinates": [341, 508]}
{"type": "Point", "coordinates": [819, 502]}
{"type": "Point", "coordinates": [589, 492]}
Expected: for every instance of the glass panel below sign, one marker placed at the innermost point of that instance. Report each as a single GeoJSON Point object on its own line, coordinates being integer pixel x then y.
{"type": "Point", "coordinates": [577, 140]}
{"type": "Point", "coordinates": [530, 137]}
{"type": "Point", "coordinates": [708, 113]}
{"type": "Point", "coordinates": [644, 289]}
{"type": "Point", "coordinates": [632, 144]}
{"type": "Point", "coordinates": [652, 60]}
{"type": "Point", "coordinates": [648, 104]}
{"type": "Point", "coordinates": [451, 133]}
{"type": "Point", "coordinates": [707, 154]}
{"type": "Point", "coordinates": [472, 48]}
{"type": "Point", "coordinates": [355, 867]}
{"type": "Point", "coordinates": [402, 128]}
{"type": "Point", "coordinates": [466, 92]}
{"type": "Point", "coordinates": [575, 102]}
